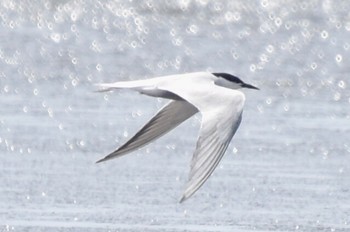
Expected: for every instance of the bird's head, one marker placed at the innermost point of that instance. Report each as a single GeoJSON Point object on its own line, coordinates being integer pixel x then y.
{"type": "Point", "coordinates": [232, 82]}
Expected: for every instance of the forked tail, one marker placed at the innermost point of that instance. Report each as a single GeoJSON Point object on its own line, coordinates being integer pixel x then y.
{"type": "Point", "coordinates": [105, 87]}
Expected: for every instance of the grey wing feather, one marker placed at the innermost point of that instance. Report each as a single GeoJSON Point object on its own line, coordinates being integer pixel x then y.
{"type": "Point", "coordinates": [209, 151]}
{"type": "Point", "coordinates": [169, 117]}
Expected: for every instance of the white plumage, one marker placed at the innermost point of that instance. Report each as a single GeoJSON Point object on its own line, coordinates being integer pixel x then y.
{"type": "Point", "coordinates": [214, 95]}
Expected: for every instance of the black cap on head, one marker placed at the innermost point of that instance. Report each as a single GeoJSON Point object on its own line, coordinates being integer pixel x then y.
{"type": "Point", "coordinates": [228, 77]}
{"type": "Point", "coordinates": [234, 79]}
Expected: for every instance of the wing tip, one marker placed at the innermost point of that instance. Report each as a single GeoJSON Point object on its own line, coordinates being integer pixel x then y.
{"type": "Point", "coordinates": [183, 198]}
{"type": "Point", "coordinates": [117, 153]}
{"type": "Point", "coordinates": [108, 157]}
{"type": "Point", "coordinates": [100, 160]}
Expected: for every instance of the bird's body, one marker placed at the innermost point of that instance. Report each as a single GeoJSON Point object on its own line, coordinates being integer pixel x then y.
{"type": "Point", "coordinates": [214, 95]}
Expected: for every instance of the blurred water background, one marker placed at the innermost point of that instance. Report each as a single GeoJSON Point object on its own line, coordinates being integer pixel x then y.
{"type": "Point", "coordinates": [287, 168]}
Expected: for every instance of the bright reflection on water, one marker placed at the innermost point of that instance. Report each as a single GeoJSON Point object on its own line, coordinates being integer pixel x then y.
{"type": "Point", "coordinates": [287, 168]}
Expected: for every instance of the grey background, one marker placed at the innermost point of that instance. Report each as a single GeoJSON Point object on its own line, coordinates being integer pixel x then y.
{"type": "Point", "coordinates": [287, 168]}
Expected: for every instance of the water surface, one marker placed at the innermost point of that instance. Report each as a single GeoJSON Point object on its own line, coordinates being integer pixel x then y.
{"type": "Point", "coordinates": [287, 168]}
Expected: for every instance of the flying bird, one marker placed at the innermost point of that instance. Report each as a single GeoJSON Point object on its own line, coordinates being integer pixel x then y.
{"type": "Point", "coordinates": [214, 95]}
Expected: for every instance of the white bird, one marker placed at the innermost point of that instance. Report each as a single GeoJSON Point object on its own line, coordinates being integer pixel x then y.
{"type": "Point", "coordinates": [214, 95]}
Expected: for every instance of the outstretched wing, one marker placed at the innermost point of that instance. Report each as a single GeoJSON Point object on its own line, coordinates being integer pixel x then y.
{"type": "Point", "coordinates": [217, 129]}
{"type": "Point", "coordinates": [169, 117]}
{"type": "Point", "coordinates": [221, 110]}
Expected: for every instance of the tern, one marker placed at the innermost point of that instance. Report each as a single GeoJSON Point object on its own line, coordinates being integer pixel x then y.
{"type": "Point", "coordinates": [214, 95]}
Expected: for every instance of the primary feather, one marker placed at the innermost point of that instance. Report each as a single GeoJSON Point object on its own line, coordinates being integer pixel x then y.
{"type": "Point", "coordinates": [213, 95]}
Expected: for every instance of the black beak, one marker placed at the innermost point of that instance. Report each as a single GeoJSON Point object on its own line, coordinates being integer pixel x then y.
{"type": "Point", "coordinates": [249, 86]}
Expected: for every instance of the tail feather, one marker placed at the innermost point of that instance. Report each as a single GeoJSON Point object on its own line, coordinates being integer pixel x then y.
{"type": "Point", "coordinates": [102, 88]}
{"type": "Point", "coordinates": [105, 87]}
